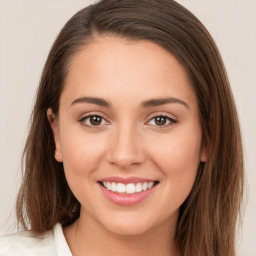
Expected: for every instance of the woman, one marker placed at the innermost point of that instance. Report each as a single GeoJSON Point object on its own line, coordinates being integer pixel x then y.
{"type": "Point", "coordinates": [134, 140]}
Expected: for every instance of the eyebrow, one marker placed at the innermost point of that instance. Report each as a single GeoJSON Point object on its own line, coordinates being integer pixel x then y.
{"type": "Point", "coordinates": [163, 101]}
{"type": "Point", "coordinates": [145, 104]}
{"type": "Point", "coordinates": [92, 100]}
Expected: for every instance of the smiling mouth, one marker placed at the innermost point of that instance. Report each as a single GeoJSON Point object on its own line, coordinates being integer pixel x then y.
{"type": "Point", "coordinates": [130, 188]}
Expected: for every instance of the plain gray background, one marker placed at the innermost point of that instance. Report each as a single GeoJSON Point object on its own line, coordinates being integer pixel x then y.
{"type": "Point", "coordinates": [27, 31]}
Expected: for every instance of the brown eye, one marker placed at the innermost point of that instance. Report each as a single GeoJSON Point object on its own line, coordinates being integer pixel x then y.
{"type": "Point", "coordinates": [161, 121]}
{"type": "Point", "coordinates": [93, 120]}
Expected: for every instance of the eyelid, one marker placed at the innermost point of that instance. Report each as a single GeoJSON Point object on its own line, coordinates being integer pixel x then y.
{"type": "Point", "coordinates": [84, 116]}
{"type": "Point", "coordinates": [161, 113]}
{"type": "Point", "coordinates": [170, 117]}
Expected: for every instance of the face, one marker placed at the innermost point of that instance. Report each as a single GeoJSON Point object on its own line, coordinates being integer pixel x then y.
{"type": "Point", "coordinates": [128, 134]}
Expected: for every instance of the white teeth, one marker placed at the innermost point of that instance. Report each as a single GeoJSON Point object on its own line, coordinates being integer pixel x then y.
{"type": "Point", "coordinates": [120, 188]}
{"type": "Point", "coordinates": [113, 187]}
{"type": "Point", "coordinates": [130, 188]}
{"type": "Point", "coordinates": [145, 186]}
{"type": "Point", "coordinates": [138, 187]}
{"type": "Point", "coordinates": [108, 185]}
{"type": "Point", "coordinates": [150, 184]}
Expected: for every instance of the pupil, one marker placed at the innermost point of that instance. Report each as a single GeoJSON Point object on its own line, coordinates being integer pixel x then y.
{"type": "Point", "coordinates": [160, 120]}
{"type": "Point", "coordinates": [95, 120]}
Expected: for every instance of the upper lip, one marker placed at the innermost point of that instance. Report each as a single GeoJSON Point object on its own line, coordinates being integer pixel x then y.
{"type": "Point", "coordinates": [126, 180]}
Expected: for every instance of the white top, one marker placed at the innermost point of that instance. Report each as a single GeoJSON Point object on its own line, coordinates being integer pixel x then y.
{"type": "Point", "coordinates": [26, 243]}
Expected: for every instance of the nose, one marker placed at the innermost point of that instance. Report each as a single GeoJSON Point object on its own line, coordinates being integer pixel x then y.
{"type": "Point", "coordinates": [126, 149]}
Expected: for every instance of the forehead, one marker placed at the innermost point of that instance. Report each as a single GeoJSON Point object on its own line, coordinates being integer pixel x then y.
{"type": "Point", "coordinates": [110, 66]}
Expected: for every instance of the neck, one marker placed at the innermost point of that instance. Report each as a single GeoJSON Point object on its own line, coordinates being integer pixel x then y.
{"type": "Point", "coordinates": [88, 237]}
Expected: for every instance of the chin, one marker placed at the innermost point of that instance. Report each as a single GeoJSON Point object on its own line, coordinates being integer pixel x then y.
{"type": "Point", "coordinates": [129, 225]}
{"type": "Point", "coordinates": [127, 229]}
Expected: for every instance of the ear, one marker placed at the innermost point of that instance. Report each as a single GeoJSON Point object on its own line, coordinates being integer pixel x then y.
{"type": "Point", "coordinates": [55, 129]}
{"type": "Point", "coordinates": [204, 153]}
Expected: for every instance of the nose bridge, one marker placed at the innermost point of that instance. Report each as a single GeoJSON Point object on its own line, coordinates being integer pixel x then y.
{"type": "Point", "coordinates": [126, 148]}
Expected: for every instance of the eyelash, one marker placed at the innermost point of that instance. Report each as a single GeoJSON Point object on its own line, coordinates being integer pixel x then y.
{"type": "Point", "coordinates": [83, 120]}
{"type": "Point", "coordinates": [167, 118]}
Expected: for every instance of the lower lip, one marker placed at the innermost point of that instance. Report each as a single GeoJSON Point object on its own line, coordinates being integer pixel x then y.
{"type": "Point", "coordinates": [127, 199]}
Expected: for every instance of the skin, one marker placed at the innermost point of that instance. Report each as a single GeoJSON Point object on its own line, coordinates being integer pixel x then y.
{"type": "Point", "coordinates": [127, 142]}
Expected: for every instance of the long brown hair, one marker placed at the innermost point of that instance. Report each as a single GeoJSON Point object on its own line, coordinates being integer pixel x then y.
{"type": "Point", "coordinates": [208, 217]}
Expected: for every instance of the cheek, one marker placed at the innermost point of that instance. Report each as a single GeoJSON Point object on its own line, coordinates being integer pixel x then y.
{"type": "Point", "coordinates": [177, 153]}
{"type": "Point", "coordinates": [82, 154]}
{"type": "Point", "coordinates": [178, 159]}
{"type": "Point", "coordinates": [81, 151]}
